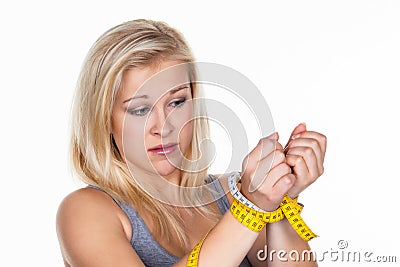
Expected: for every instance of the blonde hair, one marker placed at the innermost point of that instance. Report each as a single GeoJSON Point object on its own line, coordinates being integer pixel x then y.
{"type": "Point", "coordinates": [95, 156]}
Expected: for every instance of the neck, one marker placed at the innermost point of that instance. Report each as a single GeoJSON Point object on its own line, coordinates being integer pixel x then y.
{"type": "Point", "coordinates": [164, 188]}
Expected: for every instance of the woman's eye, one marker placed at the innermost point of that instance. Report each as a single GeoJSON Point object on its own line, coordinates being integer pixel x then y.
{"type": "Point", "coordinates": [139, 111]}
{"type": "Point", "coordinates": [178, 102]}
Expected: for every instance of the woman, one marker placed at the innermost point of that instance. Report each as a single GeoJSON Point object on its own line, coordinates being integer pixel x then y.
{"type": "Point", "coordinates": [137, 127]}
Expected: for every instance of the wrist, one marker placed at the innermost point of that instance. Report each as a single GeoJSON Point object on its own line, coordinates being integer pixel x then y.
{"type": "Point", "coordinates": [255, 218]}
{"type": "Point", "coordinates": [259, 200]}
{"type": "Point", "coordinates": [293, 193]}
{"type": "Point", "coordinates": [255, 199]}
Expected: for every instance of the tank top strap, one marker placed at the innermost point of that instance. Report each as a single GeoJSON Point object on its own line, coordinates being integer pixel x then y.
{"type": "Point", "coordinates": [219, 193]}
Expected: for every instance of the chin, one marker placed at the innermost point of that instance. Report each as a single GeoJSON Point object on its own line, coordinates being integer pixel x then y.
{"type": "Point", "coordinates": [164, 168]}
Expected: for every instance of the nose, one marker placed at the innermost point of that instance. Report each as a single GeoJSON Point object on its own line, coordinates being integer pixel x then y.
{"type": "Point", "coordinates": [159, 124]}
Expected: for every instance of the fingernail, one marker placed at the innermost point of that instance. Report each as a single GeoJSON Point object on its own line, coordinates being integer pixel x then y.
{"type": "Point", "coordinates": [303, 123]}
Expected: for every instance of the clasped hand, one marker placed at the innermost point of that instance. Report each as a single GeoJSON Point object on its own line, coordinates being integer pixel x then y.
{"type": "Point", "coordinates": [270, 170]}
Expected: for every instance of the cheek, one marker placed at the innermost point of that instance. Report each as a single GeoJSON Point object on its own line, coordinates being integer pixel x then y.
{"type": "Point", "coordinates": [185, 137]}
{"type": "Point", "coordinates": [186, 133]}
{"type": "Point", "coordinates": [128, 135]}
{"type": "Point", "coordinates": [184, 121]}
{"type": "Point", "coordinates": [133, 138]}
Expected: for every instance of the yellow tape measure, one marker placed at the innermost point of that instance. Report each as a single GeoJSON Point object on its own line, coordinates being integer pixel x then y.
{"type": "Point", "coordinates": [194, 254]}
{"type": "Point", "coordinates": [250, 218]}
{"type": "Point", "coordinates": [255, 218]}
{"type": "Point", "coordinates": [292, 214]}
{"type": "Point", "coordinates": [289, 208]}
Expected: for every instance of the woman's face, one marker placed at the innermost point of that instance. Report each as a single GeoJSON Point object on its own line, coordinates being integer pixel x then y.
{"type": "Point", "coordinates": [152, 118]}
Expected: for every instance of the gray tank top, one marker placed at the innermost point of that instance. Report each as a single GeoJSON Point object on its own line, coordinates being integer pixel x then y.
{"type": "Point", "coordinates": [148, 249]}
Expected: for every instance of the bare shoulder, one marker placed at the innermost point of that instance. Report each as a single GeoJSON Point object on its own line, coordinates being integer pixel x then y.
{"type": "Point", "coordinates": [89, 196]}
{"type": "Point", "coordinates": [89, 223]}
{"type": "Point", "coordinates": [85, 203]}
{"type": "Point", "coordinates": [88, 207]}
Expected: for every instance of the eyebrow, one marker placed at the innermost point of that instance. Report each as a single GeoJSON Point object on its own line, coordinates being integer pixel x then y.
{"type": "Point", "coordinates": [172, 91]}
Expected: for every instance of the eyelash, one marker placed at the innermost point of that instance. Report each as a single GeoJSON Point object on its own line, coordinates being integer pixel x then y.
{"type": "Point", "coordinates": [140, 112]}
{"type": "Point", "coordinates": [180, 102]}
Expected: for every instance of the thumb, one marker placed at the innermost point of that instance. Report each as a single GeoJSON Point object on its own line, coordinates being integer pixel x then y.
{"type": "Point", "coordinates": [274, 136]}
{"type": "Point", "coordinates": [298, 129]}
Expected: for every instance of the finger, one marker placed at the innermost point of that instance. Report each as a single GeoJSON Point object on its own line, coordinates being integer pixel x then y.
{"type": "Point", "coordinates": [264, 167]}
{"type": "Point", "coordinates": [301, 127]}
{"type": "Point", "coordinates": [302, 168]}
{"type": "Point", "coordinates": [283, 186]}
{"type": "Point", "coordinates": [297, 130]}
{"type": "Point", "coordinates": [264, 147]}
{"type": "Point", "coordinates": [322, 140]}
{"type": "Point", "coordinates": [277, 183]}
{"type": "Point", "coordinates": [300, 171]}
{"type": "Point", "coordinates": [308, 142]}
{"type": "Point", "coordinates": [275, 174]}
{"type": "Point", "coordinates": [305, 175]}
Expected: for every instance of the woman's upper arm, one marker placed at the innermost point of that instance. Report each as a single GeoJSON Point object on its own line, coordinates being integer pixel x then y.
{"type": "Point", "coordinates": [252, 255]}
{"type": "Point", "coordinates": [91, 233]}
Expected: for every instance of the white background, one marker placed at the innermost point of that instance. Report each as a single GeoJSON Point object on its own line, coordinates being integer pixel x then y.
{"type": "Point", "coordinates": [334, 65]}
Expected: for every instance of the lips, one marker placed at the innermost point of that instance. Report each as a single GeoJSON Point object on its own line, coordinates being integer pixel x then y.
{"type": "Point", "coordinates": [163, 149]}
